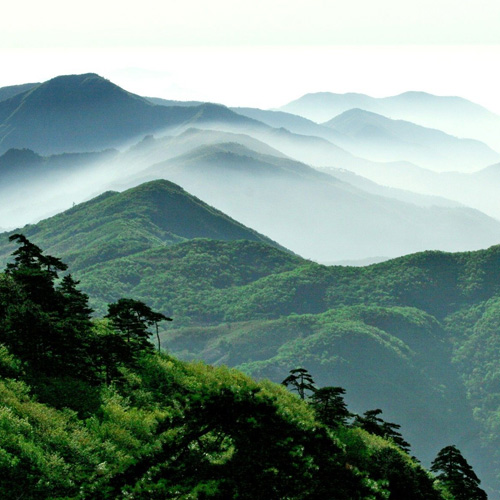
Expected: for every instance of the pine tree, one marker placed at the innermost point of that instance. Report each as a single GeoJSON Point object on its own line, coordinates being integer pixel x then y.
{"type": "Point", "coordinates": [329, 405]}
{"type": "Point", "coordinates": [133, 318]}
{"type": "Point", "coordinates": [372, 423]}
{"type": "Point", "coordinates": [301, 381]}
{"type": "Point", "coordinates": [454, 471]}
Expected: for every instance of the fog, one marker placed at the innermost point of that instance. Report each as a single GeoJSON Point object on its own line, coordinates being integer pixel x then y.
{"type": "Point", "coordinates": [355, 209]}
{"type": "Point", "coordinates": [453, 115]}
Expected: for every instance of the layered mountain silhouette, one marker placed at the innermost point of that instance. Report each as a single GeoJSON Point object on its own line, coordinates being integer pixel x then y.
{"type": "Point", "coordinates": [476, 189]}
{"type": "Point", "coordinates": [293, 123]}
{"type": "Point", "coordinates": [78, 113]}
{"type": "Point", "coordinates": [379, 138]}
{"type": "Point", "coordinates": [243, 166]}
{"type": "Point", "coordinates": [12, 90]}
{"type": "Point", "coordinates": [454, 115]}
{"type": "Point", "coordinates": [416, 336]}
{"type": "Point", "coordinates": [317, 216]}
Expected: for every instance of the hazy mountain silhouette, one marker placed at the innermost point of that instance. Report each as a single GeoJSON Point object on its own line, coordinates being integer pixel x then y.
{"type": "Point", "coordinates": [53, 183]}
{"type": "Point", "coordinates": [12, 90]}
{"type": "Point", "coordinates": [315, 215]}
{"type": "Point", "coordinates": [405, 195]}
{"type": "Point", "coordinates": [50, 183]}
{"type": "Point", "coordinates": [87, 113]}
{"type": "Point", "coordinates": [18, 163]}
{"type": "Point", "coordinates": [170, 102]}
{"type": "Point", "coordinates": [453, 115]}
{"type": "Point", "coordinates": [294, 123]}
{"type": "Point", "coordinates": [378, 138]}
{"type": "Point", "coordinates": [477, 190]}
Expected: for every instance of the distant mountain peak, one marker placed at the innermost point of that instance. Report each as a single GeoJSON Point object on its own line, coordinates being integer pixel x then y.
{"type": "Point", "coordinates": [65, 90]}
{"type": "Point", "coordinates": [19, 157]}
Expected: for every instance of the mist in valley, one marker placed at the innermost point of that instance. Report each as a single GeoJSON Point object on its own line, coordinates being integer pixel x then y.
{"type": "Point", "coordinates": [347, 212]}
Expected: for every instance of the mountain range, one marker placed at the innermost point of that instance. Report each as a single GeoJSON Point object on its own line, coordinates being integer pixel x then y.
{"type": "Point", "coordinates": [209, 214]}
{"type": "Point", "coordinates": [374, 136]}
{"type": "Point", "coordinates": [80, 113]}
{"type": "Point", "coordinates": [313, 214]}
{"type": "Point", "coordinates": [400, 335]}
{"type": "Point", "coordinates": [454, 115]}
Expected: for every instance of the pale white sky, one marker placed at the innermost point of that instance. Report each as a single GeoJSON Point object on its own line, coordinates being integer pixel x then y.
{"type": "Point", "coordinates": [259, 53]}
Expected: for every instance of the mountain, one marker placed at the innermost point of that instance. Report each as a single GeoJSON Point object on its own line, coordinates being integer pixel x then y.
{"type": "Point", "coordinates": [454, 115]}
{"type": "Point", "coordinates": [404, 195]}
{"type": "Point", "coordinates": [312, 214]}
{"type": "Point", "coordinates": [315, 215]}
{"type": "Point", "coordinates": [19, 163]}
{"type": "Point", "coordinates": [476, 190]}
{"type": "Point", "coordinates": [153, 150]}
{"type": "Point", "coordinates": [170, 427]}
{"type": "Point", "coordinates": [78, 113]}
{"type": "Point", "coordinates": [400, 335]}
{"type": "Point", "coordinates": [12, 90]}
{"type": "Point", "coordinates": [50, 183]}
{"type": "Point", "coordinates": [117, 224]}
{"type": "Point", "coordinates": [378, 138]}
{"type": "Point", "coordinates": [323, 106]}
{"type": "Point", "coordinates": [169, 102]}
{"type": "Point", "coordinates": [293, 123]}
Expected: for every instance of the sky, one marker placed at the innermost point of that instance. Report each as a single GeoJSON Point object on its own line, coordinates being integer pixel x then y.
{"type": "Point", "coordinates": [259, 53]}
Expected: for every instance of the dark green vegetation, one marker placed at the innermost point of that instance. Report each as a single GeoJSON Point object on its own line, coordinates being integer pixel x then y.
{"type": "Point", "coordinates": [415, 336]}
{"type": "Point", "coordinates": [453, 470]}
{"type": "Point", "coordinates": [156, 214]}
{"type": "Point", "coordinates": [89, 411]}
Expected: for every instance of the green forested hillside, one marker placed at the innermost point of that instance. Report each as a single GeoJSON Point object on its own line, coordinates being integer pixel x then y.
{"type": "Point", "coordinates": [115, 224]}
{"type": "Point", "coordinates": [88, 410]}
{"type": "Point", "coordinates": [415, 336]}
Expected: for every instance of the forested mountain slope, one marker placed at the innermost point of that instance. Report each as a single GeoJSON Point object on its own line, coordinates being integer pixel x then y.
{"type": "Point", "coordinates": [89, 410]}
{"type": "Point", "coordinates": [400, 335]}
{"type": "Point", "coordinates": [115, 224]}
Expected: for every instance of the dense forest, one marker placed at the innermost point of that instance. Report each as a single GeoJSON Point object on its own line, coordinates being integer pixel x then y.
{"type": "Point", "coordinates": [91, 409]}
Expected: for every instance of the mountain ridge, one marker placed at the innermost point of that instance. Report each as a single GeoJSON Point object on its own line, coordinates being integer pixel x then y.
{"type": "Point", "coordinates": [117, 224]}
{"type": "Point", "coordinates": [379, 138]}
{"type": "Point", "coordinates": [456, 116]}
{"type": "Point", "coordinates": [80, 113]}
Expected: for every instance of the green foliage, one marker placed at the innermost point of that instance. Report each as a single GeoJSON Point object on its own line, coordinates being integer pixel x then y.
{"type": "Point", "coordinates": [174, 429]}
{"type": "Point", "coordinates": [453, 470]}
{"type": "Point", "coordinates": [146, 425]}
{"type": "Point", "coordinates": [132, 319]}
{"type": "Point", "coordinates": [301, 381]}
{"type": "Point", "coordinates": [329, 406]}
{"type": "Point", "coordinates": [371, 422]}
{"type": "Point", "coordinates": [415, 336]}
